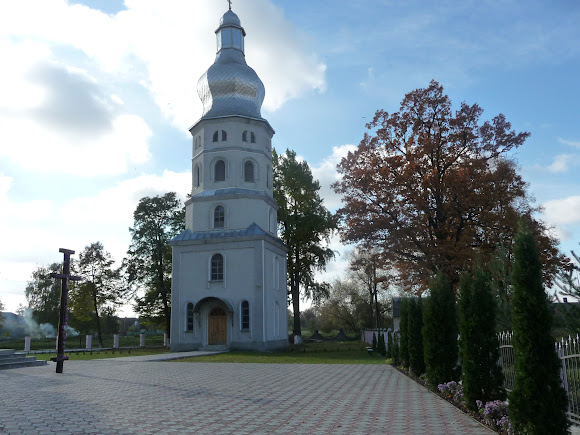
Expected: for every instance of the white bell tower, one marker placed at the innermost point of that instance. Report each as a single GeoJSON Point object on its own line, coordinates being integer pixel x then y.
{"type": "Point", "coordinates": [229, 267]}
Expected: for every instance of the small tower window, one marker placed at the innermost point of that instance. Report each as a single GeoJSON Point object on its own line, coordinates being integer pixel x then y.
{"type": "Point", "coordinates": [189, 316]}
{"type": "Point", "coordinates": [218, 217]}
{"type": "Point", "coordinates": [245, 136]}
{"type": "Point", "coordinates": [268, 176]}
{"type": "Point", "coordinates": [220, 171]}
{"type": "Point", "coordinates": [245, 315]}
{"type": "Point", "coordinates": [249, 171]}
{"type": "Point", "coordinates": [217, 267]}
{"type": "Point", "coordinates": [215, 136]}
{"type": "Point", "coordinates": [224, 135]}
{"type": "Point", "coordinates": [196, 176]}
{"type": "Point", "coordinates": [252, 137]}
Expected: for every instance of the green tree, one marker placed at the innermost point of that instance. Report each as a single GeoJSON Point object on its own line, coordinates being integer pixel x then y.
{"type": "Point", "coordinates": [148, 263]}
{"type": "Point", "coordinates": [482, 377]}
{"type": "Point", "coordinates": [100, 281]}
{"type": "Point", "coordinates": [404, 328]}
{"type": "Point", "coordinates": [440, 332]}
{"type": "Point", "coordinates": [43, 294]}
{"type": "Point", "coordinates": [381, 346]}
{"type": "Point", "coordinates": [538, 401]}
{"type": "Point", "coordinates": [305, 225]}
{"type": "Point", "coordinates": [395, 354]}
{"type": "Point", "coordinates": [414, 330]}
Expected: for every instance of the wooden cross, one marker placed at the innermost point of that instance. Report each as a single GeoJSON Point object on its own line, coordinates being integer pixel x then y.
{"type": "Point", "coordinates": [65, 277]}
{"type": "Point", "coordinates": [230, 2]}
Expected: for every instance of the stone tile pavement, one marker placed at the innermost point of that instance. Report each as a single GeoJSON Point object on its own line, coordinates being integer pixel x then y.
{"type": "Point", "coordinates": [124, 396]}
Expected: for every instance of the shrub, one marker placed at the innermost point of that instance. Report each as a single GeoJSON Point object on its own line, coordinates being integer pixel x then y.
{"type": "Point", "coordinates": [390, 344]}
{"type": "Point", "coordinates": [414, 330]}
{"type": "Point", "coordinates": [381, 347]}
{"type": "Point", "coordinates": [451, 390]}
{"type": "Point", "coordinates": [440, 332]}
{"type": "Point", "coordinates": [538, 401]}
{"type": "Point", "coordinates": [374, 341]}
{"type": "Point", "coordinates": [395, 354]}
{"type": "Point", "coordinates": [482, 376]}
{"type": "Point", "coordinates": [404, 338]}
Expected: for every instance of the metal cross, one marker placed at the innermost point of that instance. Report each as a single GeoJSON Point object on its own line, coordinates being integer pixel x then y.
{"type": "Point", "coordinates": [230, 2]}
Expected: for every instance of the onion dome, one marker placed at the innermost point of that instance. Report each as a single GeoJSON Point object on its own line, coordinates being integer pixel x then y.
{"type": "Point", "coordinates": [230, 87]}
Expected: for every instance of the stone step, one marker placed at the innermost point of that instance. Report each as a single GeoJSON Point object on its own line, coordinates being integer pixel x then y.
{"type": "Point", "coordinates": [16, 365]}
{"type": "Point", "coordinates": [10, 359]}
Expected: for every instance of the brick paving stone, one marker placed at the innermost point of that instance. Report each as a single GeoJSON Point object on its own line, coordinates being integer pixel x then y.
{"type": "Point", "coordinates": [128, 396]}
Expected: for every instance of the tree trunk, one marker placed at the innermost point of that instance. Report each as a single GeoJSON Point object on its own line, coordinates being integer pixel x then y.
{"type": "Point", "coordinates": [98, 319]}
{"type": "Point", "coordinates": [295, 291]}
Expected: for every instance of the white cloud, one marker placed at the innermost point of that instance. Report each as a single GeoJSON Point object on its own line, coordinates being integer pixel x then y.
{"type": "Point", "coordinates": [560, 163]}
{"type": "Point", "coordinates": [37, 229]}
{"type": "Point", "coordinates": [168, 46]}
{"type": "Point", "coordinates": [563, 211]}
{"type": "Point", "coordinates": [327, 174]}
{"type": "Point", "coordinates": [574, 143]}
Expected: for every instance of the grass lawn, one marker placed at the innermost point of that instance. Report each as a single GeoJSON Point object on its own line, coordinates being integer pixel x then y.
{"type": "Point", "coordinates": [118, 353]}
{"type": "Point", "coordinates": [311, 353]}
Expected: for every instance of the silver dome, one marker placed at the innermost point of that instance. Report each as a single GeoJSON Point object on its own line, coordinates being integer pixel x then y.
{"type": "Point", "coordinates": [230, 87]}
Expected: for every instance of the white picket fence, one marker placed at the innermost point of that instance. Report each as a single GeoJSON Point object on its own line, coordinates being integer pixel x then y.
{"type": "Point", "coordinates": [568, 350]}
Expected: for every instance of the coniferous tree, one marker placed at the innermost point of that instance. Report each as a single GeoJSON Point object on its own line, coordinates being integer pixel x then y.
{"type": "Point", "coordinates": [396, 350]}
{"type": "Point", "coordinates": [404, 338]}
{"type": "Point", "coordinates": [482, 376]}
{"type": "Point", "coordinates": [414, 329]}
{"type": "Point", "coordinates": [537, 404]}
{"type": "Point", "coordinates": [381, 347]}
{"type": "Point", "coordinates": [440, 333]}
{"type": "Point", "coordinates": [374, 341]}
{"type": "Point", "coordinates": [389, 344]}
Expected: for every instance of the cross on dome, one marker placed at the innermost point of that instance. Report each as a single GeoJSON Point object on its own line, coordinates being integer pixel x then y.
{"type": "Point", "coordinates": [230, 2]}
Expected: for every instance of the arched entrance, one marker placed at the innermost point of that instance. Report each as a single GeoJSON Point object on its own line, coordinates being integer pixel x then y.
{"type": "Point", "coordinates": [217, 326]}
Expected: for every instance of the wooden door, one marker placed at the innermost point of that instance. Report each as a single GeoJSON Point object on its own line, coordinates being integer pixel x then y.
{"type": "Point", "coordinates": [217, 330]}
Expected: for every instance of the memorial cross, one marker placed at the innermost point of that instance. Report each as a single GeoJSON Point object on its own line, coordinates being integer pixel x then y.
{"type": "Point", "coordinates": [65, 277]}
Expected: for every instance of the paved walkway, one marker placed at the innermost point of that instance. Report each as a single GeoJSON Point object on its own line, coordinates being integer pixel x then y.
{"type": "Point", "coordinates": [129, 395]}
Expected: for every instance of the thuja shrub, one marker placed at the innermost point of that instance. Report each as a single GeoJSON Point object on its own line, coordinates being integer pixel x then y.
{"type": "Point", "coordinates": [381, 347]}
{"type": "Point", "coordinates": [389, 344]}
{"type": "Point", "coordinates": [440, 332]}
{"type": "Point", "coordinates": [537, 404]}
{"type": "Point", "coordinates": [374, 341]}
{"type": "Point", "coordinates": [395, 354]}
{"type": "Point", "coordinates": [404, 338]}
{"type": "Point", "coordinates": [482, 377]}
{"type": "Point", "coordinates": [414, 330]}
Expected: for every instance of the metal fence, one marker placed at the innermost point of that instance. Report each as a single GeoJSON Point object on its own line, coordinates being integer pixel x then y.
{"type": "Point", "coordinates": [568, 350]}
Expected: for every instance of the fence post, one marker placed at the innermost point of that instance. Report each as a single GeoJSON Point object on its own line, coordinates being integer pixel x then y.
{"type": "Point", "coordinates": [142, 340]}
{"type": "Point", "coordinates": [26, 344]}
{"type": "Point", "coordinates": [115, 341]}
{"type": "Point", "coordinates": [89, 341]}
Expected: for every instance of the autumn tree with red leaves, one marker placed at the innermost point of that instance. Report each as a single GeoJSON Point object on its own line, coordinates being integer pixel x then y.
{"type": "Point", "coordinates": [435, 190]}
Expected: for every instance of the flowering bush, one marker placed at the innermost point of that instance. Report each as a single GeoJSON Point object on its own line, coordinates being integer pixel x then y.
{"type": "Point", "coordinates": [452, 390]}
{"type": "Point", "coordinates": [495, 414]}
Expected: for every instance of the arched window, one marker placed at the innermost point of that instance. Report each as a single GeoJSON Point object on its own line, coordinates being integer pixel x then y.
{"type": "Point", "coordinates": [245, 136]}
{"type": "Point", "coordinates": [215, 136]}
{"type": "Point", "coordinates": [219, 217]}
{"type": "Point", "coordinates": [189, 316]}
{"type": "Point", "coordinates": [196, 176]}
{"type": "Point", "coordinates": [249, 171]}
{"type": "Point", "coordinates": [220, 171]}
{"type": "Point", "coordinates": [277, 320]}
{"type": "Point", "coordinates": [217, 267]}
{"type": "Point", "coordinates": [252, 137]}
{"type": "Point", "coordinates": [224, 135]}
{"type": "Point", "coordinates": [245, 315]}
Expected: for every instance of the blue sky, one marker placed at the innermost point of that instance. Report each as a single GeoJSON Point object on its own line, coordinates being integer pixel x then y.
{"type": "Point", "coordinates": [96, 98]}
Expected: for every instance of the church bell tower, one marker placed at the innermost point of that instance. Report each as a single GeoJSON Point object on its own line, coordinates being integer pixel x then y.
{"type": "Point", "coordinates": [229, 266]}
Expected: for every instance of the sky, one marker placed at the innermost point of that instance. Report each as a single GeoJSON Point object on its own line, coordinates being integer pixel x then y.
{"type": "Point", "coordinates": [97, 97]}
